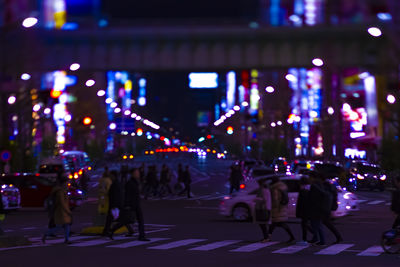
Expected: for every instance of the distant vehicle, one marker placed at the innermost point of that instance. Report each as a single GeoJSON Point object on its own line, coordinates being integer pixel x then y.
{"type": "Point", "coordinates": [366, 175]}
{"type": "Point", "coordinates": [259, 171]}
{"type": "Point", "coordinates": [78, 160]}
{"type": "Point", "coordinates": [10, 196]}
{"type": "Point", "coordinates": [281, 165]}
{"type": "Point", "coordinates": [241, 205]}
{"type": "Point", "coordinates": [34, 189]}
{"type": "Point", "coordinates": [331, 170]}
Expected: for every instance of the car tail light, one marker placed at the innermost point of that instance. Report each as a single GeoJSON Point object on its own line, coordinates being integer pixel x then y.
{"type": "Point", "coordinates": [76, 175]}
{"type": "Point", "coordinates": [80, 172]}
{"type": "Point", "coordinates": [242, 186]}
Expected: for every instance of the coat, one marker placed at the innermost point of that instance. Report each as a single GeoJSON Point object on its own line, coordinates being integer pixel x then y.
{"type": "Point", "coordinates": [303, 204]}
{"type": "Point", "coordinates": [279, 212]}
{"type": "Point", "coordinates": [320, 202]}
{"type": "Point", "coordinates": [266, 195]}
{"type": "Point", "coordinates": [132, 194]}
{"type": "Point", "coordinates": [103, 188]}
{"type": "Point", "coordinates": [62, 212]}
{"type": "Point", "coordinates": [115, 195]}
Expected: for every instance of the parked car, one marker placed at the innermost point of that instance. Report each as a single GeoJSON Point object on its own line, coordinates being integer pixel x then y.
{"type": "Point", "coordinates": [281, 165]}
{"type": "Point", "coordinates": [34, 189]}
{"type": "Point", "coordinates": [10, 195]}
{"type": "Point", "coordinates": [241, 205]}
{"type": "Point", "coordinates": [258, 172]}
{"type": "Point", "coordinates": [366, 175]}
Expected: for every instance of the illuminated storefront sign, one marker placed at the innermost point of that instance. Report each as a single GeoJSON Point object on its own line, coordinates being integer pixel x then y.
{"type": "Point", "coordinates": [198, 80]}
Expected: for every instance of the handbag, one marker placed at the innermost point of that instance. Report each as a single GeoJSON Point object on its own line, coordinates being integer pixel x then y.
{"type": "Point", "coordinates": [261, 212]}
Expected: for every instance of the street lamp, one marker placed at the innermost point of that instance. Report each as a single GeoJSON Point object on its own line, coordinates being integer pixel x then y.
{"type": "Point", "coordinates": [375, 31]}
{"type": "Point", "coordinates": [74, 67]}
{"type": "Point", "coordinates": [29, 22]}
{"type": "Point", "coordinates": [269, 89]}
{"type": "Point", "coordinates": [11, 100]}
{"type": "Point", "coordinates": [317, 62]}
{"type": "Point", "coordinates": [391, 99]}
{"type": "Point", "coordinates": [25, 76]}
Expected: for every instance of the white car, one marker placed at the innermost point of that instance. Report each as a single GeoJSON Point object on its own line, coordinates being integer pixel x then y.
{"type": "Point", "coordinates": [10, 196]}
{"type": "Point", "coordinates": [241, 205]}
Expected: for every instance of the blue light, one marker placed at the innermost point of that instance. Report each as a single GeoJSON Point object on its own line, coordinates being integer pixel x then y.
{"type": "Point", "coordinates": [70, 26]}
{"type": "Point", "coordinates": [384, 16]}
{"type": "Point", "coordinates": [103, 23]}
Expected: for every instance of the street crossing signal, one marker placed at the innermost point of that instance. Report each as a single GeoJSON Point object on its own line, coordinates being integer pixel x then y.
{"type": "Point", "coordinates": [229, 130]}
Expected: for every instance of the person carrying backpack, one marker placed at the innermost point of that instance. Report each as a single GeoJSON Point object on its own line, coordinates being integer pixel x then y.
{"type": "Point", "coordinates": [279, 211]}
{"type": "Point", "coordinates": [303, 208]}
{"type": "Point", "coordinates": [333, 198]}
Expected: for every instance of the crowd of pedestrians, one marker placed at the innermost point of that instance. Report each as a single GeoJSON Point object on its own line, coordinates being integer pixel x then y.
{"type": "Point", "coordinates": [316, 201]}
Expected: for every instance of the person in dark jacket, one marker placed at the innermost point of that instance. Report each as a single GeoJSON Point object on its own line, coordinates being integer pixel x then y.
{"type": "Point", "coordinates": [151, 184]}
{"type": "Point", "coordinates": [2, 213]}
{"type": "Point", "coordinates": [165, 179]}
{"type": "Point", "coordinates": [317, 209]}
{"type": "Point", "coordinates": [303, 207]}
{"type": "Point", "coordinates": [327, 220]}
{"type": "Point", "coordinates": [114, 201]}
{"type": "Point", "coordinates": [395, 207]}
{"type": "Point", "coordinates": [187, 180]}
{"type": "Point", "coordinates": [235, 178]}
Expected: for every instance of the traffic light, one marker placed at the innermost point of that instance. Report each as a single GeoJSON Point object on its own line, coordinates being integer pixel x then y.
{"type": "Point", "coordinates": [229, 130]}
{"type": "Point", "coordinates": [87, 120]}
{"type": "Point", "coordinates": [139, 132]}
{"type": "Point", "coordinates": [55, 93]}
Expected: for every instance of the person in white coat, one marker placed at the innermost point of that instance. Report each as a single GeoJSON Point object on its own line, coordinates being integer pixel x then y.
{"type": "Point", "coordinates": [264, 195]}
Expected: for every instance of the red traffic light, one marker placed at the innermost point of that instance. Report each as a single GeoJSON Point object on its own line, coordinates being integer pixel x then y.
{"type": "Point", "coordinates": [55, 93]}
{"type": "Point", "coordinates": [229, 130]}
{"type": "Point", "coordinates": [87, 120]}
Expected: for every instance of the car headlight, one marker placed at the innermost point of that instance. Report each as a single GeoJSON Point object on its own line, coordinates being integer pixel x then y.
{"type": "Point", "coordinates": [359, 176]}
{"type": "Point", "coordinates": [383, 177]}
{"type": "Point", "coordinates": [347, 195]}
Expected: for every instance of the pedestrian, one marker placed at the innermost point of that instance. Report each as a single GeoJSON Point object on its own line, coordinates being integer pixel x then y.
{"type": "Point", "coordinates": [262, 209]}
{"type": "Point", "coordinates": [142, 170]}
{"type": "Point", "coordinates": [103, 188]}
{"type": "Point", "coordinates": [114, 201]}
{"type": "Point", "coordinates": [235, 178]}
{"type": "Point", "coordinates": [279, 210]}
{"type": "Point", "coordinates": [303, 208]}
{"type": "Point", "coordinates": [132, 201]}
{"type": "Point", "coordinates": [320, 208]}
{"type": "Point", "coordinates": [165, 179]}
{"type": "Point", "coordinates": [84, 181]}
{"type": "Point", "coordinates": [151, 184]}
{"type": "Point", "coordinates": [2, 213]}
{"type": "Point", "coordinates": [395, 206]}
{"type": "Point", "coordinates": [179, 184]}
{"type": "Point", "coordinates": [187, 180]}
{"type": "Point", "coordinates": [61, 212]}
{"type": "Point", "coordinates": [333, 199]}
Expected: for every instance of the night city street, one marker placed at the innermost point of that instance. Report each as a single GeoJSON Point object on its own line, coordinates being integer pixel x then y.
{"type": "Point", "coordinates": [199, 133]}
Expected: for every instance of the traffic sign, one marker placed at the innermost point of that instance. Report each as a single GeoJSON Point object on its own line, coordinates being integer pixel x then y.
{"type": "Point", "coordinates": [5, 155]}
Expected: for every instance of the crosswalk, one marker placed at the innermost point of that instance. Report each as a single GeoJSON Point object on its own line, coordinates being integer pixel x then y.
{"type": "Point", "coordinates": [373, 202]}
{"type": "Point", "coordinates": [212, 196]}
{"type": "Point", "coordinates": [205, 245]}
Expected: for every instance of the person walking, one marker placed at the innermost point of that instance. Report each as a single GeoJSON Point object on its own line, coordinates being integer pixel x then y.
{"type": "Point", "coordinates": [151, 184]}
{"type": "Point", "coordinates": [319, 208]}
{"type": "Point", "coordinates": [165, 179]}
{"type": "Point", "coordinates": [2, 214]}
{"type": "Point", "coordinates": [302, 208]}
{"type": "Point", "coordinates": [395, 206]}
{"type": "Point", "coordinates": [235, 178]}
{"type": "Point", "coordinates": [262, 214]}
{"type": "Point", "coordinates": [114, 201]}
{"type": "Point", "coordinates": [62, 213]}
{"type": "Point", "coordinates": [279, 210]}
{"type": "Point", "coordinates": [178, 186]}
{"type": "Point", "coordinates": [187, 180]}
{"type": "Point", "coordinates": [102, 192]}
{"type": "Point", "coordinates": [333, 199]}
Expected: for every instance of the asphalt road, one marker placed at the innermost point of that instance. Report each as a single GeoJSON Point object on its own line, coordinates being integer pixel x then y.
{"type": "Point", "coordinates": [190, 232]}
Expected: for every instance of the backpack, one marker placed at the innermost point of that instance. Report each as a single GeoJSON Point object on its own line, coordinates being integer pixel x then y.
{"type": "Point", "coordinates": [284, 197]}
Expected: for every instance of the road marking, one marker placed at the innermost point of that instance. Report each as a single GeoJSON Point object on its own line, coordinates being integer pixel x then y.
{"type": "Point", "coordinates": [215, 245]}
{"type": "Point", "coordinates": [253, 247]}
{"type": "Point", "coordinates": [96, 242]}
{"type": "Point", "coordinates": [137, 243]}
{"type": "Point", "coordinates": [361, 200]}
{"type": "Point", "coordinates": [95, 184]}
{"type": "Point", "coordinates": [372, 251]}
{"type": "Point", "coordinates": [179, 243]}
{"type": "Point", "coordinates": [375, 202]}
{"type": "Point", "coordinates": [388, 204]}
{"type": "Point", "coordinates": [290, 249]}
{"type": "Point", "coordinates": [160, 225]}
{"type": "Point", "coordinates": [334, 249]}
{"type": "Point", "coordinates": [31, 246]}
{"type": "Point", "coordinates": [29, 228]}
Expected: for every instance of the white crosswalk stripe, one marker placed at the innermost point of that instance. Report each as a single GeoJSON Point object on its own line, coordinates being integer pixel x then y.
{"type": "Point", "coordinates": [253, 247]}
{"type": "Point", "coordinates": [137, 243]}
{"type": "Point", "coordinates": [215, 245]}
{"type": "Point", "coordinates": [291, 249]}
{"type": "Point", "coordinates": [179, 243]}
{"type": "Point", "coordinates": [372, 251]}
{"type": "Point", "coordinates": [96, 242]}
{"type": "Point", "coordinates": [334, 249]}
{"type": "Point", "coordinates": [361, 200]}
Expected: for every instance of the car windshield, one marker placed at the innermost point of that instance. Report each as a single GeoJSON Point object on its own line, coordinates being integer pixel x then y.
{"type": "Point", "coordinates": [369, 169]}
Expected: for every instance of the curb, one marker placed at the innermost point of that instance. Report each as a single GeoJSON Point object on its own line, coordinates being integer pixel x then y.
{"type": "Point", "coordinates": [14, 241]}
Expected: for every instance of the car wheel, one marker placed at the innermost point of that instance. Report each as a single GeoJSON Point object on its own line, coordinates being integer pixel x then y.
{"type": "Point", "coordinates": [241, 212]}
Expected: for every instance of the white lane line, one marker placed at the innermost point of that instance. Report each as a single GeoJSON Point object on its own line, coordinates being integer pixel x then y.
{"type": "Point", "coordinates": [29, 228]}
{"type": "Point", "coordinates": [361, 200]}
{"type": "Point", "coordinates": [96, 242]}
{"type": "Point", "coordinates": [179, 243]}
{"type": "Point", "coordinates": [372, 251]}
{"type": "Point", "coordinates": [215, 245]}
{"type": "Point", "coordinates": [160, 225]}
{"type": "Point", "coordinates": [253, 247]}
{"type": "Point", "coordinates": [202, 197]}
{"type": "Point", "coordinates": [137, 243]}
{"type": "Point", "coordinates": [375, 202]}
{"type": "Point", "coordinates": [290, 249]}
{"type": "Point", "coordinates": [59, 240]}
{"type": "Point", "coordinates": [334, 249]}
{"type": "Point", "coordinates": [94, 184]}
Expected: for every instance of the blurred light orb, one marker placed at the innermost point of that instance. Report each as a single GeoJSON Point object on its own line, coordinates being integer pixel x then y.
{"type": "Point", "coordinates": [331, 110]}
{"type": "Point", "coordinates": [101, 93]}
{"type": "Point", "coordinates": [113, 105]}
{"type": "Point", "coordinates": [14, 118]}
{"type": "Point", "coordinates": [117, 110]}
{"type": "Point", "coordinates": [29, 22]}
{"type": "Point", "coordinates": [245, 104]}
{"type": "Point", "coordinates": [127, 112]}
{"type": "Point", "coordinates": [269, 89]}
{"type": "Point", "coordinates": [47, 111]}
{"type": "Point", "coordinates": [74, 67]}
{"type": "Point", "coordinates": [291, 78]}
{"type": "Point", "coordinates": [375, 31]}
{"type": "Point", "coordinates": [273, 124]}
{"type": "Point", "coordinates": [112, 126]}
{"type": "Point", "coordinates": [313, 114]}
{"type": "Point", "coordinates": [237, 108]}
{"type": "Point", "coordinates": [391, 99]}
{"type": "Point", "coordinates": [279, 123]}
{"type": "Point", "coordinates": [36, 107]}
{"type": "Point", "coordinates": [11, 100]}
{"type": "Point", "coordinates": [67, 118]}
{"type": "Point", "coordinates": [109, 100]}
{"type": "Point", "coordinates": [90, 83]}
{"type": "Point", "coordinates": [317, 62]}
{"type": "Point", "coordinates": [25, 76]}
